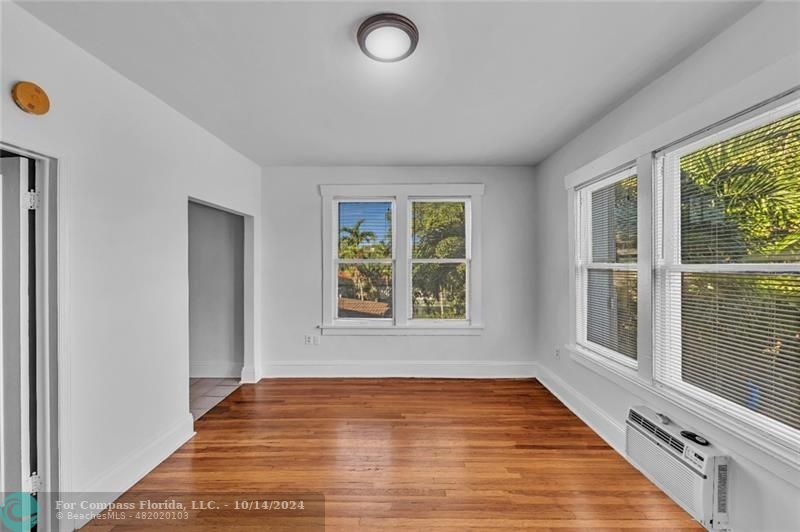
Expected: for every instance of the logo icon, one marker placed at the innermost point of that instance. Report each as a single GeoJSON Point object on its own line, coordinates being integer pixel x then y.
{"type": "Point", "coordinates": [19, 511]}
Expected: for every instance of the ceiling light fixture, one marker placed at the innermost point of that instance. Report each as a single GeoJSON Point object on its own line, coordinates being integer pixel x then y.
{"type": "Point", "coordinates": [387, 37]}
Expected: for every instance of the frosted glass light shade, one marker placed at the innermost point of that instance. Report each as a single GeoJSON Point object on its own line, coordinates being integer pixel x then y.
{"type": "Point", "coordinates": [387, 37]}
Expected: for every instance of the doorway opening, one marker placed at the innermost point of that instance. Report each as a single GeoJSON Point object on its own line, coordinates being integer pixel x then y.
{"type": "Point", "coordinates": [216, 305]}
{"type": "Point", "coordinates": [29, 461]}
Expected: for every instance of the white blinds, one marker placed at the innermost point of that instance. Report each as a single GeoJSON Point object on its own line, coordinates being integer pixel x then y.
{"type": "Point", "coordinates": [364, 260]}
{"type": "Point", "coordinates": [728, 277]}
{"type": "Point", "coordinates": [611, 310]}
{"type": "Point", "coordinates": [614, 221]}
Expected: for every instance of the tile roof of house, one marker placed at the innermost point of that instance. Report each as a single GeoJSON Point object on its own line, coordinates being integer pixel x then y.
{"type": "Point", "coordinates": [367, 308]}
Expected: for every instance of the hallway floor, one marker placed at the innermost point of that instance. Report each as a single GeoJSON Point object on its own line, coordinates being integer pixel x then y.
{"type": "Point", "coordinates": [206, 393]}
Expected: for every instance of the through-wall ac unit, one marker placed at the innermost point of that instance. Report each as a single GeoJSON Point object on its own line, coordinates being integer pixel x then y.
{"type": "Point", "coordinates": [693, 475]}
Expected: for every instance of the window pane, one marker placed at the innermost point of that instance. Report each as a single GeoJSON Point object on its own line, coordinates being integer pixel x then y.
{"type": "Point", "coordinates": [439, 291]}
{"type": "Point", "coordinates": [438, 230]}
{"type": "Point", "coordinates": [740, 199]}
{"type": "Point", "coordinates": [611, 306]}
{"type": "Point", "coordinates": [614, 222]}
{"type": "Point", "coordinates": [365, 230]}
{"type": "Point", "coordinates": [741, 340]}
{"type": "Point", "coordinates": [365, 291]}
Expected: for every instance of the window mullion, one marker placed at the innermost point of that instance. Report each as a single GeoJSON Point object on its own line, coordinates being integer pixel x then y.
{"type": "Point", "coordinates": [402, 273]}
{"type": "Point", "coordinates": [644, 278]}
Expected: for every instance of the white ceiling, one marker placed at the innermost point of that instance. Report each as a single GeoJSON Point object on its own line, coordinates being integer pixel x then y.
{"type": "Point", "coordinates": [490, 83]}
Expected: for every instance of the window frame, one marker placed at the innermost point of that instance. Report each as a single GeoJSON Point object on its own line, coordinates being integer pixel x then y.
{"type": "Point", "coordinates": [337, 261]}
{"type": "Point", "coordinates": [583, 261]}
{"type": "Point", "coordinates": [669, 265]}
{"type": "Point", "coordinates": [782, 447]}
{"type": "Point", "coordinates": [467, 260]}
{"type": "Point", "coordinates": [401, 196]}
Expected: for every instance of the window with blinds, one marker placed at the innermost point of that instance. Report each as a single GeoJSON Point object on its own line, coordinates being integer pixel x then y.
{"type": "Point", "coordinates": [607, 299]}
{"type": "Point", "coordinates": [364, 260]}
{"type": "Point", "coordinates": [727, 298]}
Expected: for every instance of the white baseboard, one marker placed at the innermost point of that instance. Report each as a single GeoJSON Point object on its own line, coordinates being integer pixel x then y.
{"type": "Point", "coordinates": [248, 375]}
{"type": "Point", "coordinates": [608, 428]}
{"type": "Point", "coordinates": [454, 370]}
{"type": "Point", "coordinates": [219, 369]}
{"type": "Point", "coordinates": [132, 468]}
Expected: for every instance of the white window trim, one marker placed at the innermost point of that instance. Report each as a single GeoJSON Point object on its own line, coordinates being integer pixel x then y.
{"type": "Point", "coordinates": [641, 379]}
{"type": "Point", "coordinates": [580, 202]}
{"type": "Point", "coordinates": [401, 197]}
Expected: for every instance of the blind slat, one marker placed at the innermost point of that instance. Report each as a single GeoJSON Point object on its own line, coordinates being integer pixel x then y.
{"type": "Point", "coordinates": [611, 310]}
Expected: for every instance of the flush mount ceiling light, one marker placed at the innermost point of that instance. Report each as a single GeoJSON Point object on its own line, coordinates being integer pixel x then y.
{"type": "Point", "coordinates": [387, 37]}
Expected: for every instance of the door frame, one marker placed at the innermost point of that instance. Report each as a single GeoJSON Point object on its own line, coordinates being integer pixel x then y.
{"type": "Point", "coordinates": [249, 297]}
{"type": "Point", "coordinates": [52, 362]}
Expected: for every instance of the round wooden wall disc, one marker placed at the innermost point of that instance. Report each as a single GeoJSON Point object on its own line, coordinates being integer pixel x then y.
{"type": "Point", "coordinates": [31, 98]}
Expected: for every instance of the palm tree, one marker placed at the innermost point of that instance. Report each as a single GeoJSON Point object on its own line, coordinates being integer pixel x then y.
{"type": "Point", "coordinates": [745, 188]}
{"type": "Point", "coordinates": [352, 240]}
{"type": "Point", "coordinates": [351, 246]}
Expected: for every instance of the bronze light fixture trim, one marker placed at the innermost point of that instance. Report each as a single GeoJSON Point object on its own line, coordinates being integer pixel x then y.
{"type": "Point", "coordinates": [381, 37]}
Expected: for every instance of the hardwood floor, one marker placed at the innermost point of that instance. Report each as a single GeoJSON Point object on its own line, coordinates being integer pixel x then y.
{"type": "Point", "coordinates": [416, 454]}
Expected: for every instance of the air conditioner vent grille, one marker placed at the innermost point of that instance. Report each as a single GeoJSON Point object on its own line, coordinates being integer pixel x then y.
{"type": "Point", "coordinates": [722, 488]}
{"type": "Point", "coordinates": [659, 433]}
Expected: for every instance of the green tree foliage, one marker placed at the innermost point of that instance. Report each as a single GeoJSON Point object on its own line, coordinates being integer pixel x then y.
{"type": "Point", "coordinates": [355, 243]}
{"type": "Point", "coordinates": [626, 208]}
{"type": "Point", "coordinates": [746, 190]}
{"type": "Point", "coordinates": [439, 232]}
{"type": "Point", "coordinates": [626, 221]}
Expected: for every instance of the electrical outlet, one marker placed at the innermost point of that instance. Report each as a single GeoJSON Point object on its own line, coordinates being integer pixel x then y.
{"type": "Point", "coordinates": [308, 339]}
{"type": "Point", "coordinates": [558, 353]}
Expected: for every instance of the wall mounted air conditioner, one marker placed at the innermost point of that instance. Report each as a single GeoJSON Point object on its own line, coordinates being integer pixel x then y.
{"type": "Point", "coordinates": [693, 475]}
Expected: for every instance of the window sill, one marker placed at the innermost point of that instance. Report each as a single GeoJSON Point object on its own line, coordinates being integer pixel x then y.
{"type": "Point", "coordinates": [408, 330]}
{"type": "Point", "coordinates": [607, 357]}
{"type": "Point", "coordinates": [647, 390]}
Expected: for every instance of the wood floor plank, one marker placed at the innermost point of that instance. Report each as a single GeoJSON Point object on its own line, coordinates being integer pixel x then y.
{"type": "Point", "coordinates": [416, 454]}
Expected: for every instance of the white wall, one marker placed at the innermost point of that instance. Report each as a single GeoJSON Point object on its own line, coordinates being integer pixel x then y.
{"type": "Point", "coordinates": [216, 292]}
{"type": "Point", "coordinates": [753, 60]}
{"type": "Point", "coordinates": [293, 280]}
{"type": "Point", "coordinates": [128, 165]}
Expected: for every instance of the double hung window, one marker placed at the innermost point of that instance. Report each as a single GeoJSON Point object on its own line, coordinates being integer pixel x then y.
{"type": "Point", "coordinates": [401, 257]}
{"type": "Point", "coordinates": [607, 266]}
